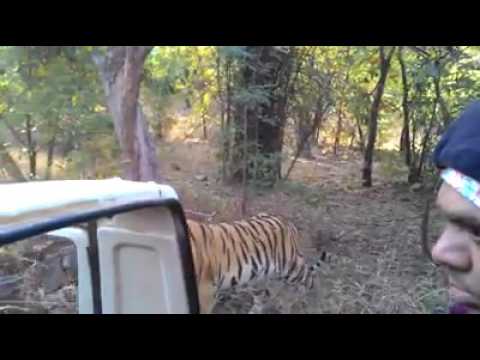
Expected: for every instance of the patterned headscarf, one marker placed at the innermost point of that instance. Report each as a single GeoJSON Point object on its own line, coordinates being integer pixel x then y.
{"type": "Point", "coordinates": [465, 185]}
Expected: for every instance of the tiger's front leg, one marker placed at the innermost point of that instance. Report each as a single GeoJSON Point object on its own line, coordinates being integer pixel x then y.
{"type": "Point", "coordinates": [206, 292]}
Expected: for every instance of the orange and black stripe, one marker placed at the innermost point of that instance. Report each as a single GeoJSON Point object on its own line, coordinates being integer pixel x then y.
{"type": "Point", "coordinates": [264, 246]}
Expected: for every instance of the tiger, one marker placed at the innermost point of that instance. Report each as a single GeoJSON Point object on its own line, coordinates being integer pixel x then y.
{"type": "Point", "coordinates": [261, 247]}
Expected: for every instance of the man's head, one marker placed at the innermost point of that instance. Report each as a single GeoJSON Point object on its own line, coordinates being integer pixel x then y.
{"type": "Point", "coordinates": [458, 248]}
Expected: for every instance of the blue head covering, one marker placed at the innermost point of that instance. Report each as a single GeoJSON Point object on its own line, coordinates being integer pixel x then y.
{"type": "Point", "coordinates": [459, 147]}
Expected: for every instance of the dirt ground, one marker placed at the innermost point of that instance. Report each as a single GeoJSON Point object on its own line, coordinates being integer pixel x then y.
{"type": "Point", "coordinates": [373, 235]}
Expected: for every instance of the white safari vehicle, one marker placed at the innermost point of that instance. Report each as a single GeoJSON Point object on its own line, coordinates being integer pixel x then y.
{"type": "Point", "coordinates": [133, 256]}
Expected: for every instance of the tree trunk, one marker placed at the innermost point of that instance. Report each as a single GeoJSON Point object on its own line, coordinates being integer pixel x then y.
{"type": "Point", "coordinates": [412, 172]}
{"type": "Point", "coordinates": [338, 131]}
{"type": "Point", "coordinates": [31, 147]}
{"type": "Point", "coordinates": [441, 101]}
{"type": "Point", "coordinates": [405, 137]}
{"type": "Point", "coordinates": [304, 140]}
{"type": "Point", "coordinates": [50, 154]}
{"type": "Point", "coordinates": [221, 102]}
{"type": "Point", "coordinates": [245, 164]}
{"type": "Point", "coordinates": [227, 134]}
{"type": "Point", "coordinates": [402, 140]}
{"type": "Point", "coordinates": [418, 163]}
{"type": "Point", "coordinates": [30, 143]}
{"type": "Point", "coordinates": [121, 71]}
{"type": "Point", "coordinates": [416, 172]}
{"type": "Point", "coordinates": [352, 140]}
{"type": "Point", "coordinates": [361, 138]}
{"type": "Point", "coordinates": [423, 151]}
{"type": "Point", "coordinates": [204, 126]}
{"type": "Point", "coordinates": [68, 145]}
{"type": "Point", "coordinates": [373, 121]}
{"type": "Point", "coordinates": [267, 69]}
{"type": "Point", "coordinates": [317, 120]}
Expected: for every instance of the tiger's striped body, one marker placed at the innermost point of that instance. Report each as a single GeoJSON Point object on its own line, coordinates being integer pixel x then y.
{"type": "Point", "coordinates": [259, 248]}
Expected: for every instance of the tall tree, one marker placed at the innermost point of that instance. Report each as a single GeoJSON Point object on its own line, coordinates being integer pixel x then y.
{"type": "Point", "coordinates": [384, 63]}
{"type": "Point", "coordinates": [262, 94]}
{"type": "Point", "coordinates": [121, 70]}
{"type": "Point", "coordinates": [405, 135]}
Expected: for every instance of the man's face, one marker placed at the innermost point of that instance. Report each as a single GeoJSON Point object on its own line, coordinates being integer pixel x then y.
{"type": "Point", "coordinates": [458, 248]}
